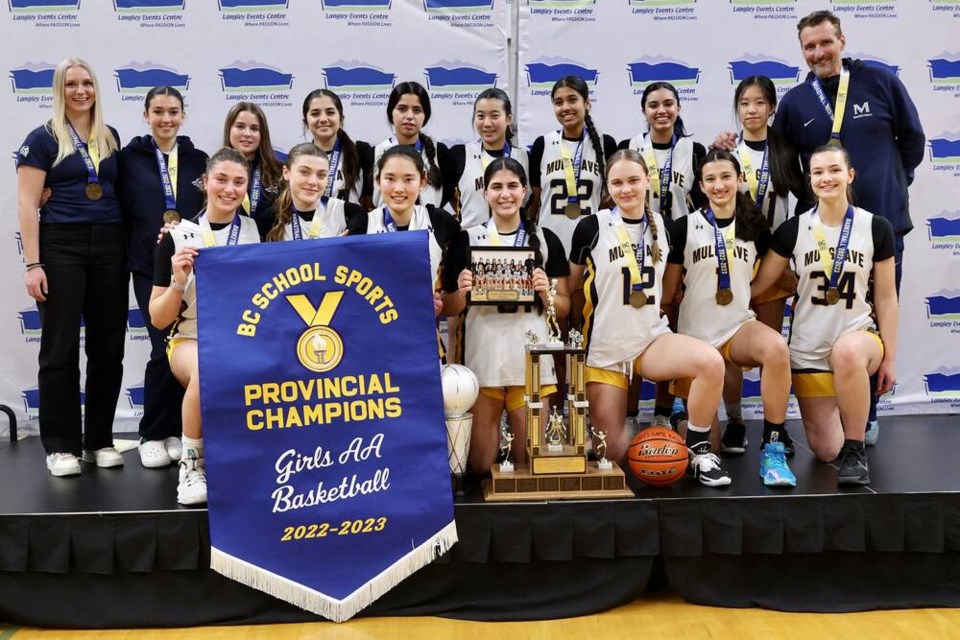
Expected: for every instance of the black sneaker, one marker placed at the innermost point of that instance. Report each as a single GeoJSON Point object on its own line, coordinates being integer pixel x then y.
{"type": "Point", "coordinates": [676, 418]}
{"type": "Point", "coordinates": [705, 467]}
{"type": "Point", "coordinates": [734, 440]}
{"type": "Point", "coordinates": [787, 441]}
{"type": "Point", "coordinates": [853, 468]}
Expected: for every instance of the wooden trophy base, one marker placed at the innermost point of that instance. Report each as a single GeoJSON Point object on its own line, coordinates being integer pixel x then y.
{"type": "Point", "coordinates": [521, 484]}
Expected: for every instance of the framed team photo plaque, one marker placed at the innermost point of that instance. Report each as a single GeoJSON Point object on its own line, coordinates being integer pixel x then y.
{"type": "Point", "coordinates": [501, 275]}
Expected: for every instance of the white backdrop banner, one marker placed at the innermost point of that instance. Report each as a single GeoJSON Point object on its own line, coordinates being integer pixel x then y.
{"type": "Point", "coordinates": [274, 52]}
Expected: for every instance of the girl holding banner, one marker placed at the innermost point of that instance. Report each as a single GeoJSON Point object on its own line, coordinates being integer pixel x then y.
{"type": "Point", "coordinates": [408, 111]}
{"type": "Point", "coordinates": [493, 121]}
{"type": "Point", "coordinates": [75, 266]}
{"type": "Point", "coordinates": [714, 253]}
{"type": "Point", "coordinates": [159, 173]}
{"type": "Point", "coordinates": [245, 130]}
{"type": "Point", "coordinates": [844, 330]}
{"type": "Point", "coordinates": [351, 163]}
{"type": "Point", "coordinates": [173, 302]}
{"type": "Point", "coordinates": [302, 211]}
{"type": "Point", "coordinates": [771, 173]}
{"type": "Point", "coordinates": [617, 259]}
{"type": "Point", "coordinates": [494, 336]}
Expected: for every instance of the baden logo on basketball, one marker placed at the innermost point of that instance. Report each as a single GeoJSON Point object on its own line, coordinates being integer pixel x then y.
{"type": "Point", "coordinates": [320, 347]}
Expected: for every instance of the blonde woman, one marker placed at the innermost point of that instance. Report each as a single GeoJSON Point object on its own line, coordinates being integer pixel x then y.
{"type": "Point", "coordinates": [75, 266]}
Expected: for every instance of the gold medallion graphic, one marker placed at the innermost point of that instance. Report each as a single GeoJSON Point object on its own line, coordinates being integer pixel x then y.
{"type": "Point", "coordinates": [320, 349]}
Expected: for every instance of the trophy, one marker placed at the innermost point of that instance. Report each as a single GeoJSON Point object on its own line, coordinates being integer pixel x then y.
{"type": "Point", "coordinates": [557, 466]}
{"type": "Point", "coordinates": [460, 391]}
{"type": "Point", "coordinates": [507, 439]}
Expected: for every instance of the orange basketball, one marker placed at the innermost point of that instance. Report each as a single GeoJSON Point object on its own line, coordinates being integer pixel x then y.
{"type": "Point", "coordinates": [658, 456]}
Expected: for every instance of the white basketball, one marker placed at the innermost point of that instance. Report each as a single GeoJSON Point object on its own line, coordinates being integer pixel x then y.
{"type": "Point", "coordinates": [460, 389]}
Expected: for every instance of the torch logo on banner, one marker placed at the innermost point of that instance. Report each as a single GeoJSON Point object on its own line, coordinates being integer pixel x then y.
{"type": "Point", "coordinates": [319, 348]}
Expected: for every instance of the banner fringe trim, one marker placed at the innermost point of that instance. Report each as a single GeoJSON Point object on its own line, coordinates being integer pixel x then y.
{"type": "Point", "coordinates": [336, 610]}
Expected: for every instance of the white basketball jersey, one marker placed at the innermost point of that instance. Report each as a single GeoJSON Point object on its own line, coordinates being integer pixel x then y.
{"type": "Point", "coordinates": [775, 209]}
{"type": "Point", "coordinates": [339, 183]}
{"type": "Point", "coordinates": [615, 331]}
{"type": "Point", "coordinates": [493, 342]}
{"type": "Point", "coordinates": [473, 206]}
{"type": "Point", "coordinates": [700, 315]}
{"type": "Point", "coordinates": [186, 326]}
{"type": "Point", "coordinates": [430, 194]}
{"type": "Point", "coordinates": [332, 221]}
{"type": "Point", "coordinates": [553, 184]}
{"type": "Point", "coordinates": [682, 169]}
{"type": "Point", "coordinates": [419, 220]}
{"type": "Point", "coordinates": [816, 325]}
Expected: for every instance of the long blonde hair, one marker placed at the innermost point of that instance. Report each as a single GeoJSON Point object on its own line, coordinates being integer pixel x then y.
{"type": "Point", "coordinates": [99, 132]}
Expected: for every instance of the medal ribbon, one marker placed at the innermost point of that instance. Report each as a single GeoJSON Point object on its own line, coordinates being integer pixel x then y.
{"type": "Point", "coordinates": [661, 179]}
{"type": "Point", "coordinates": [316, 225]}
{"type": "Point", "coordinates": [723, 240]}
{"type": "Point", "coordinates": [90, 155]}
{"type": "Point", "coordinates": [572, 167]}
{"type": "Point", "coordinates": [334, 168]}
{"type": "Point", "coordinates": [210, 240]}
{"type": "Point", "coordinates": [758, 187]}
{"type": "Point", "coordinates": [497, 241]}
{"type": "Point", "coordinates": [634, 255]}
{"type": "Point", "coordinates": [842, 92]}
{"type": "Point", "coordinates": [836, 268]}
{"type": "Point", "coordinates": [484, 155]}
{"type": "Point", "coordinates": [168, 175]}
{"type": "Point", "coordinates": [252, 198]}
{"type": "Point", "coordinates": [391, 226]}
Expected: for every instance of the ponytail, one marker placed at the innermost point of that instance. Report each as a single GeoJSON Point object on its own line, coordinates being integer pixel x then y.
{"type": "Point", "coordinates": [433, 171]}
{"type": "Point", "coordinates": [597, 148]}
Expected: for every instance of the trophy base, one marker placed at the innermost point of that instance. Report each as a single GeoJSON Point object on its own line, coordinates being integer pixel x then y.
{"type": "Point", "coordinates": [521, 484]}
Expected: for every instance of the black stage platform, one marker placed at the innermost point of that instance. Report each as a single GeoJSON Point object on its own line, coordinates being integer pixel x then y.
{"type": "Point", "coordinates": [112, 548]}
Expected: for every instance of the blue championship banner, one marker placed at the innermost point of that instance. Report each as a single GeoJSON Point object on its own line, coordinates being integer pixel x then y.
{"type": "Point", "coordinates": [326, 450]}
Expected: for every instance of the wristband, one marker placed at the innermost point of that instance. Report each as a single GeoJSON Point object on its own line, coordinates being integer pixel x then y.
{"type": "Point", "coordinates": [176, 286]}
{"type": "Point", "coordinates": [34, 265]}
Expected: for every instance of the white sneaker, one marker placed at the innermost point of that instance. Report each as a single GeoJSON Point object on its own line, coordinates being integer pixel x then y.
{"type": "Point", "coordinates": [192, 488]}
{"type": "Point", "coordinates": [63, 464]}
{"type": "Point", "coordinates": [153, 454]}
{"type": "Point", "coordinates": [104, 458]}
{"type": "Point", "coordinates": [174, 447]}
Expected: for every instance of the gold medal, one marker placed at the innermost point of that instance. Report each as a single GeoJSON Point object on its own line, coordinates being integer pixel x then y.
{"type": "Point", "coordinates": [94, 191]}
{"type": "Point", "coordinates": [170, 215]}
{"type": "Point", "coordinates": [572, 210]}
{"type": "Point", "coordinates": [833, 295]}
{"type": "Point", "coordinates": [724, 297]}
{"type": "Point", "coordinates": [638, 299]}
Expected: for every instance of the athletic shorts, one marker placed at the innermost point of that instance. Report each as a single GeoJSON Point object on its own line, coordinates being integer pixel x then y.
{"type": "Point", "coordinates": [819, 384]}
{"type": "Point", "coordinates": [512, 397]}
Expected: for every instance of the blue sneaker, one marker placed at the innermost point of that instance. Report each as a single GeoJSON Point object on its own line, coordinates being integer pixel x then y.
{"type": "Point", "coordinates": [873, 432]}
{"type": "Point", "coordinates": [773, 466]}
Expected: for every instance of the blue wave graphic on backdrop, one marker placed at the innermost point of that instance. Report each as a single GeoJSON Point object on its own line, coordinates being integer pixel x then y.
{"type": "Point", "coordinates": [648, 390]}
{"type": "Point", "coordinates": [644, 72]}
{"type": "Point", "coordinates": [255, 79]}
{"type": "Point", "coordinates": [945, 149]}
{"type": "Point", "coordinates": [42, 5]}
{"type": "Point", "coordinates": [360, 5]}
{"type": "Point", "coordinates": [751, 388]}
{"type": "Point", "coordinates": [880, 64]}
{"type": "Point", "coordinates": [943, 70]}
{"type": "Point", "coordinates": [542, 74]}
{"type": "Point", "coordinates": [135, 396]}
{"type": "Point", "coordinates": [31, 400]}
{"type": "Point", "coordinates": [131, 80]}
{"type": "Point", "coordinates": [563, 4]}
{"type": "Point", "coordinates": [454, 78]}
{"type": "Point", "coordinates": [358, 78]}
{"type": "Point", "coordinates": [252, 5]}
{"type": "Point", "coordinates": [135, 321]}
{"type": "Point", "coordinates": [778, 72]}
{"type": "Point", "coordinates": [944, 305]}
{"type": "Point", "coordinates": [942, 382]}
{"type": "Point", "coordinates": [32, 81]}
{"type": "Point", "coordinates": [944, 228]}
{"type": "Point", "coordinates": [456, 6]}
{"type": "Point", "coordinates": [29, 322]}
{"type": "Point", "coordinates": [147, 6]}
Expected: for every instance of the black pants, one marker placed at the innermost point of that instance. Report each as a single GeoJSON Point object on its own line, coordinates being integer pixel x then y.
{"type": "Point", "coordinates": [162, 394]}
{"type": "Point", "coordinates": [86, 277]}
{"type": "Point", "coordinates": [898, 258]}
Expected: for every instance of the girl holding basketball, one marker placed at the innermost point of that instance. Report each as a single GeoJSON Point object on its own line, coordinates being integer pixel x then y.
{"type": "Point", "coordinates": [493, 121]}
{"type": "Point", "coordinates": [844, 327]}
{"type": "Point", "coordinates": [408, 112]}
{"type": "Point", "coordinates": [173, 302]}
{"type": "Point", "coordinates": [714, 252]}
{"type": "Point", "coordinates": [617, 260]}
{"type": "Point", "coordinates": [302, 212]}
{"type": "Point", "coordinates": [351, 163]}
{"type": "Point", "coordinates": [494, 336]}
{"type": "Point", "coordinates": [245, 130]}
